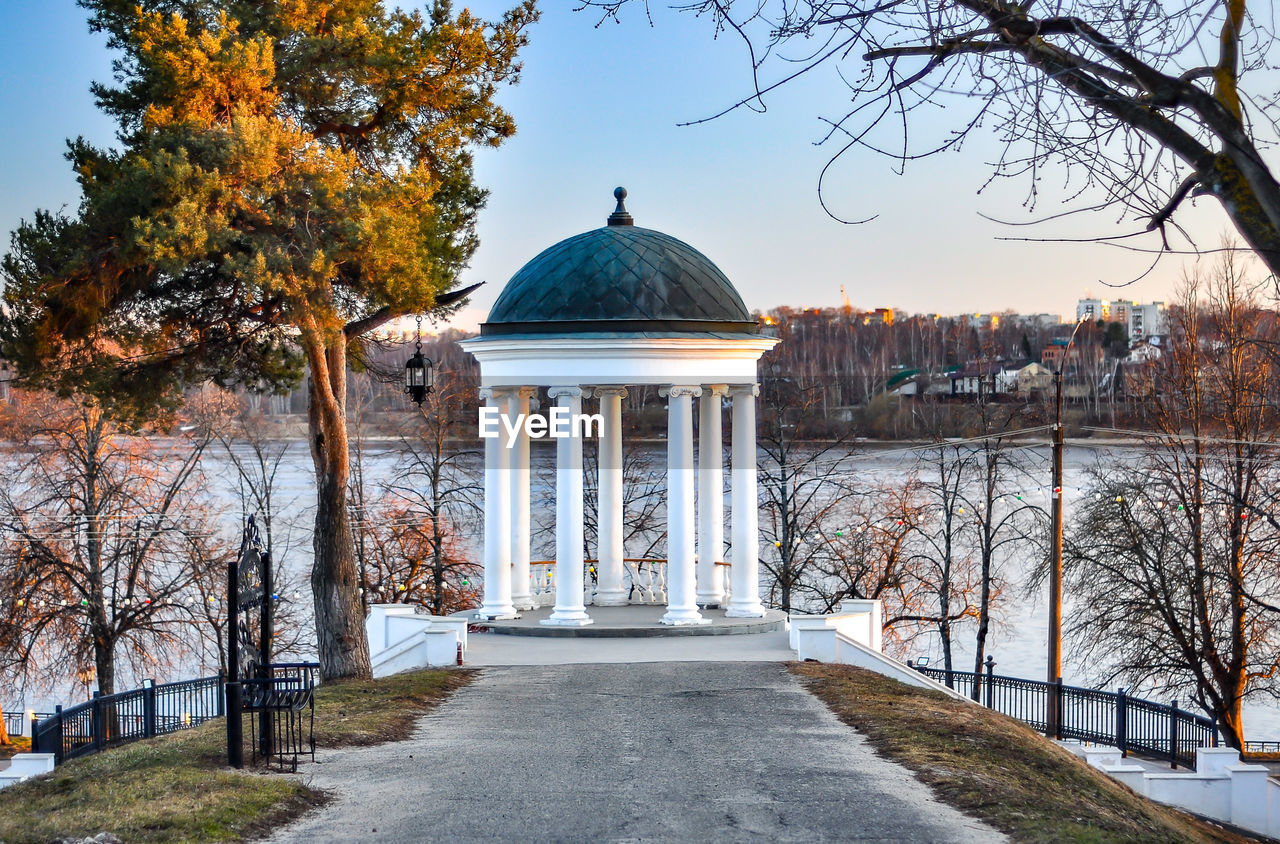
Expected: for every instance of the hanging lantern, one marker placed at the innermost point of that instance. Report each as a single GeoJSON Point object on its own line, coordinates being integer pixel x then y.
{"type": "Point", "coordinates": [419, 372]}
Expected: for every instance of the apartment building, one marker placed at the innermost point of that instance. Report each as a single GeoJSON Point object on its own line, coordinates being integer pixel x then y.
{"type": "Point", "coordinates": [1141, 320]}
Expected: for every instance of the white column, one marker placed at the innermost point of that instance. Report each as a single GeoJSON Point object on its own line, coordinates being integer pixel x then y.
{"type": "Point", "coordinates": [682, 606]}
{"type": "Point", "coordinates": [710, 498]}
{"type": "Point", "coordinates": [569, 610]}
{"type": "Point", "coordinates": [745, 572]}
{"type": "Point", "coordinates": [518, 407]}
{"type": "Point", "coordinates": [497, 520]}
{"type": "Point", "coordinates": [609, 551]}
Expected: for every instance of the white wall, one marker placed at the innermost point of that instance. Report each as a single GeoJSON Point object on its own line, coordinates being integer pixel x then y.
{"type": "Point", "coordinates": [24, 766]}
{"type": "Point", "coordinates": [401, 640]}
{"type": "Point", "coordinates": [1221, 787]}
{"type": "Point", "coordinates": [852, 636]}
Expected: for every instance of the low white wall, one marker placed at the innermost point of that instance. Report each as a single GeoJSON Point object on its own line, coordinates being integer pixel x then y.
{"type": "Point", "coordinates": [1203, 794]}
{"type": "Point", "coordinates": [1221, 787]}
{"type": "Point", "coordinates": [852, 636]}
{"type": "Point", "coordinates": [23, 766]}
{"type": "Point", "coordinates": [859, 620]}
{"type": "Point", "coordinates": [400, 639]}
{"type": "Point", "coordinates": [376, 625]}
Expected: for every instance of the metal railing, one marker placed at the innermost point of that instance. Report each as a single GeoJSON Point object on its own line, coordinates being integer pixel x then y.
{"type": "Point", "coordinates": [116, 719]}
{"type": "Point", "coordinates": [1262, 747]}
{"type": "Point", "coordinates": [1143, 727]}
{"type": "Point", "coordinates": [15, 721]}
{"type": "Point", "coordinates": [644, 579]}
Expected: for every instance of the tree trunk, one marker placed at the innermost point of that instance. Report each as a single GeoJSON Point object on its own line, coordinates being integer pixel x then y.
{"type": "Point", "coordinates": [4, 732]}
{"type": "Point", "coordinates": [335, 579]}
{"type": "Point", "coordinates": [104, 659]}
{"type": "Point", "coordinates": [944, 634]}
{"type": "Point", "coordinates": [980, 649]}
{"type": "Point", "coordinates": [1230, 718]}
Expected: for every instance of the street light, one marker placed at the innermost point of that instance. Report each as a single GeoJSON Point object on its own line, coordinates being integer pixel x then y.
{"type": "Point", "coordinates": [419, 377]}
{"type": "Point", "coordinates": [419, 372]}
{"type": "Point", "coordinates": [1055, 565]}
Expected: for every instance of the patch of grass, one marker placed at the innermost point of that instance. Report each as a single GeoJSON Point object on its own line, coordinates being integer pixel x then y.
{"type": "Point", "coordinates": [17, 744]}
{"type": "Point", "coordinates": [179, 788]}
{"type": "Point", "coordinates": [176, 787]}
{"type": "Point", "coordinates": [359, 712]}
{"type": "Point", "coordinates": [995, 768]}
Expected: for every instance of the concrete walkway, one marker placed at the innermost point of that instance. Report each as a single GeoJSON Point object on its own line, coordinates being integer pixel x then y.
{"type": "Point", "coordinates": [686, 751]}
{"type": "Point", "coordinates": [493, 649]}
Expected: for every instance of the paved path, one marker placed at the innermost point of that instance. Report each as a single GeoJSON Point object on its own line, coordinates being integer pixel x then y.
{"type": "Point", "coordinates": [493, 649]}
{"type": "Point", "coordinates": [641, 752]}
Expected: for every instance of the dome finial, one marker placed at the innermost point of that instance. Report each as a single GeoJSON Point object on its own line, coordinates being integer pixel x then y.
{"type": "Point", "coordinates": [620, 217]}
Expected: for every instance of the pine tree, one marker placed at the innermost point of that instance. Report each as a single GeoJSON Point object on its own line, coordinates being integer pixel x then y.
{"type": "Point", "coordinates": [290, 175]}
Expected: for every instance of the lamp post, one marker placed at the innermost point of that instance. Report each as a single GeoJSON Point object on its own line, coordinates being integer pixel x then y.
{"type": "Point", "coordinates": [419, 372]}
{"type": "Point", "coordinates": [1055, 564]}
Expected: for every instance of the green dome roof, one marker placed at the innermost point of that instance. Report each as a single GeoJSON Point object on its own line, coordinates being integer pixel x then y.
{"type": "Point", "coordinates": [620, 278]}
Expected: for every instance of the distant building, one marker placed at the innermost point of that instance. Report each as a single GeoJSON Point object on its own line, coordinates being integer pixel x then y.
{"type": "Point", "coordinates": [879, 315]}
{"type": "Point", "coordinates": [1145, 351]}
{"type": "Point", "coordinates": [1039, 320]}
{"type": "Point", "coordinates": [982, 320]}
{"type": "Point", "coordinates": [1148, 321]}
{"type": "Point", "coordinates": [1034, 378]}
{"type": "Point", "coordinates": [1052, 354]}
{"type": "Point", "coordinates": [1093, 309]}
{"type": "Point", "coordinates": [984, 379]}
{"type": "Point", "coordinates": [1140, 320]}
{"type": "Point", "coordinates": [977, 378]}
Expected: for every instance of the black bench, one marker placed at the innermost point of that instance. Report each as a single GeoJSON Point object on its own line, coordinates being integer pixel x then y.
{"type": "Point", "coordinates": [283, 696]}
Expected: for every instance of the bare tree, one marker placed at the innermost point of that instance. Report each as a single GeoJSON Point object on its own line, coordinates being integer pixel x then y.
{"type": "Point", "coordinates": [1004, 520]}
{"type": "Point", "coordinates": [433, 501]}
{"type": "Point", "coordinates": [1143, 105]}
{"type": "Point", "coordinates": [944, 554]}
{"type": "Point", "coordinates": [872, 556]}
{"type": "Point", "coordinates": [803, 482]}
{"type": "Point", "coordinates": [412, 560]}
{"type": "Point", "coordinates": [255, 454]}
{"type": "Point", "coordinates": [1170, 555]}
{"type": "Point", "coordinates": [98, 533]}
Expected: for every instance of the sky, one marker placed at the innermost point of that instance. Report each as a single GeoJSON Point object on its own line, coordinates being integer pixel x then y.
{"type": "Point", "coordinates": [602, 105]}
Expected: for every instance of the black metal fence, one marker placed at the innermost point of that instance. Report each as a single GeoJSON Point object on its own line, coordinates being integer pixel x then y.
{"type": "Point", "coordinates": [1143, 727]}
{"type": "Point", "coordinates": [123, 717]}
{"type": "Point", "coordinates": [15, 721]}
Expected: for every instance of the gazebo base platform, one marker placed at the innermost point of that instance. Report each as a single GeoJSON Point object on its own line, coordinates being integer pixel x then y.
{"type": "Point", "coordinates": [633, 622]}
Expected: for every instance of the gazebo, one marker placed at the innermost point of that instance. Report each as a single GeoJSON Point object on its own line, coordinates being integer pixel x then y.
{"type": "Point", "coordinates": [615, 307]}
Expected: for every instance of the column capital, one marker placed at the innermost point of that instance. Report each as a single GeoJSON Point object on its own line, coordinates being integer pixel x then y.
{"type": "Point", "coordinates": [752, 390]}
{"type": "Point", "coordinates": [564, 392]}
{"type": "Point", "coordinates": [493, 394]}
{"type": "Point", "coordinates": [610, 390]}
{"type": "Point", "coordinates": [676, 391]}
{"type": "Point", "coordinates": [715, 389]}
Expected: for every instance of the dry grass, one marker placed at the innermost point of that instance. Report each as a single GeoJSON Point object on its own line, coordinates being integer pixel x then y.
{"type": "Point", "coordinates": [360, 712]}
{"type": "Point", "coordinates": [178, 787]}
{"type": "Point", "coordinates": [995, 768]}
{"type": "Point", "coordinates": [17, 744]}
